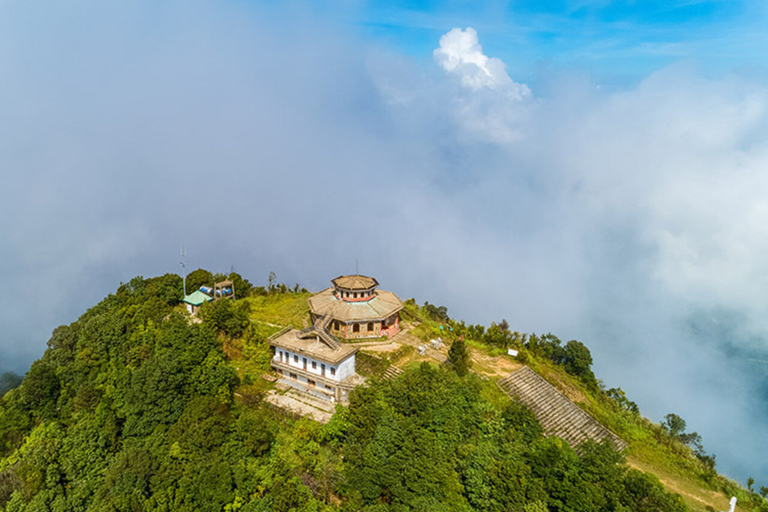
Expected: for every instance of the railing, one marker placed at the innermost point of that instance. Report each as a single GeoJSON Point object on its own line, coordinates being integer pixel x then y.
{"type": "Point", "coordinates": [321, 329]}
{"type": "Point", "coordinates": [279, 333]}
{"type": "Point", "coordinates": [330, 339]}
{"type": "Point", "coordinates": [306, 330]}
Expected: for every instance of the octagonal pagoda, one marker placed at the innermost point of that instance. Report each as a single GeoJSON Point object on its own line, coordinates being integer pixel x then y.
{"type": "Point", "coordinates": [354, 307]}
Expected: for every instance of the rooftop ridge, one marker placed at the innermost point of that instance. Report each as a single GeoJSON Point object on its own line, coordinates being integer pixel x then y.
{"type": "Point", "coordinates": [355, 282]}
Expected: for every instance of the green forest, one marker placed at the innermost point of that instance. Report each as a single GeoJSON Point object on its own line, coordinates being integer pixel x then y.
{"type": "Point", "coordinates": [136, 407]}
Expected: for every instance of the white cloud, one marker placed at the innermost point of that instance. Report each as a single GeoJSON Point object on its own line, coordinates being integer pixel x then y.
{"type": "Point", "coordinates": [460, 54]}
{"type": "Point", "coordinates": [602, 216]}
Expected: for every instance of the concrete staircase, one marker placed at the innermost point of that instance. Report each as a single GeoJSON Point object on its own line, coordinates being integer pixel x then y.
{"type": "Point", "coordinates": [392, 373]}
{"type": "Point", "coordinates": [557, 414]}
{"type": "Point", "coordinates": [390, 331]}
{"type": "Point", "coordinates": [302, 404]}
{"type": "Point", "coordinates": [321, 329]}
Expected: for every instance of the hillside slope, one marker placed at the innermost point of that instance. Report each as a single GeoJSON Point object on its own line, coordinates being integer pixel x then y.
{"type": "Point", "coordinates": [137, 406]}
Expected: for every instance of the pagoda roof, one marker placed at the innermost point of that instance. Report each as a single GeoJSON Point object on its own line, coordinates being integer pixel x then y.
{"type": "Point", "coordinates": [382, 305]}
{"type": "Point", "coordinates": [355, 282]}
{"type": "Point", "coordinates": [197, 297]}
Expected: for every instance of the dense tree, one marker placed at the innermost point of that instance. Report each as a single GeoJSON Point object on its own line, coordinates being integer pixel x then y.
{"type": "Point", "coordinates": [40, 389]}
{"type": "Point", "coordinates": [497, 336]}
{"type": "Point", "coordinates": [578, 362]}
{"type": "Point", "coordinates": [226, 316]}
{"type": "Point", "coordinates": [438, 313]}
{"type": "Point", "coordinates": [8, 381]}
{"type": "Point", "coordinates": [619, 397]}
{"type": "Point", "coordinates": [243, 287]}
{"type": "Point", "coordinates": [168, 288]}
{"type": "Point", "coordinates": [458, 357]}
{"type": "Point", "coordinates": [198, 278]}
{"type": "Point", "coordinates": [430, 441]}
{"type": "Point", "coordinates": [673, 424]}
{"type": "Point", "coordinates": [132, 408]}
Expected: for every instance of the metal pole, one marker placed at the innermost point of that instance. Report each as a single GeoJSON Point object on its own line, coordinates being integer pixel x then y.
{"type": "Point", "coordinates": [184, 277]}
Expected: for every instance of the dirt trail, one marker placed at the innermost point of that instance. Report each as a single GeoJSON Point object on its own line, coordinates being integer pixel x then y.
{"type": "Point", "coordinates": [691, 493]}
{"type": "Point", "coordinates": [498, 366]}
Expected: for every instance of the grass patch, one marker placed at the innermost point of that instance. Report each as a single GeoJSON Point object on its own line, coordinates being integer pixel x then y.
{"type": "Point", "coordinates": [697, 498]}
{"type": "Point", "coordinates": [281, 309]}
{"type": "Point", "coordinates": [370, 365]}
{"type": "Point", "coordinates": [374, 365]}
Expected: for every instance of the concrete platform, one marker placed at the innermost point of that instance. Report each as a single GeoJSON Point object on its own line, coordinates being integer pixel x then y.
{"type": "Point", "coordinates": [303, 404]}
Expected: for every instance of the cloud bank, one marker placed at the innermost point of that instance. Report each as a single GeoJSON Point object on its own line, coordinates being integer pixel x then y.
{"type": "Point", "coordinates": [263, 140]}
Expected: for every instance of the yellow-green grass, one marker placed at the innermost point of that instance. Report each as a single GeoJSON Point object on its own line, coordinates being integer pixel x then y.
{"type": "Point", "coordinates": [283, 309]}
{"type": "Point", "coordinates": [696, 497]}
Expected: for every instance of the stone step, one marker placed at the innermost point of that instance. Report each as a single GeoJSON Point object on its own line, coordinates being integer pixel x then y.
{"type": "Point", "coordinates": [558, 415]}
{"type": "Point", "coordinates": [392, 372]}
{"type": "Point", "coordinates": [296, 404]}
{"type": "Point", "coordinates": [311, 401]}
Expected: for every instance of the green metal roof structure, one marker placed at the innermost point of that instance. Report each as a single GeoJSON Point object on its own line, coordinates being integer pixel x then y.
{"type": "Point", "coordinates": [197, 298]}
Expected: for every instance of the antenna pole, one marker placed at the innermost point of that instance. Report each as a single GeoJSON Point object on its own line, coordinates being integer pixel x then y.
{"type": "Point", "coordinates": [184, 267]}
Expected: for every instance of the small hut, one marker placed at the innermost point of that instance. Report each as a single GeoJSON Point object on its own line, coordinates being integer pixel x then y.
{"type": "Point", "coordinates": [196, 299]}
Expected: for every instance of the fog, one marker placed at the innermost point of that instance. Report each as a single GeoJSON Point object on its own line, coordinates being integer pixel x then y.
{"type": "Point", "coordinates": [267, 139]}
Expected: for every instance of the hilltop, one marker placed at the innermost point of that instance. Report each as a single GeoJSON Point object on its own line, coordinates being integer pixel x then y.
{"type": "Point", "coordinates": [139, 406]}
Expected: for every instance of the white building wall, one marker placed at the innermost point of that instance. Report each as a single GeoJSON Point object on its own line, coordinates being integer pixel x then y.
{"type": "Point", "coordinates": [343, 370]}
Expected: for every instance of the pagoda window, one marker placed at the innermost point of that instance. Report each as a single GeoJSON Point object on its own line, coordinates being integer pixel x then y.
{"type": "Point", "coordinates": [296, 359]}
{"type": "Point", "coordinates": [370, 326]}
{"type": "Point", "coordinates": [356, 328]}
{"type": "Point", "coordinates": [314, 365]}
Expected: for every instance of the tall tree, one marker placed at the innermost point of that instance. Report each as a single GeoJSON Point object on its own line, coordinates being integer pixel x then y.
{"type": "Point", "coordinates": [458, 356]}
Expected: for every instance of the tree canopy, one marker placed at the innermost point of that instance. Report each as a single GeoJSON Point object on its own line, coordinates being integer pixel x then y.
{"type": "Point", "coordinates": [132, 408]}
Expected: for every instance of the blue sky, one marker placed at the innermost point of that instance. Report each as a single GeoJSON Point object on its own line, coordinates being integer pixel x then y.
{"type": "Point", "coordinates": [624, 40]}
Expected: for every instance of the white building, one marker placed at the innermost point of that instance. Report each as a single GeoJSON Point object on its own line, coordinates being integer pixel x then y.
{"type": "Point", "coordinates": [315, 362]}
